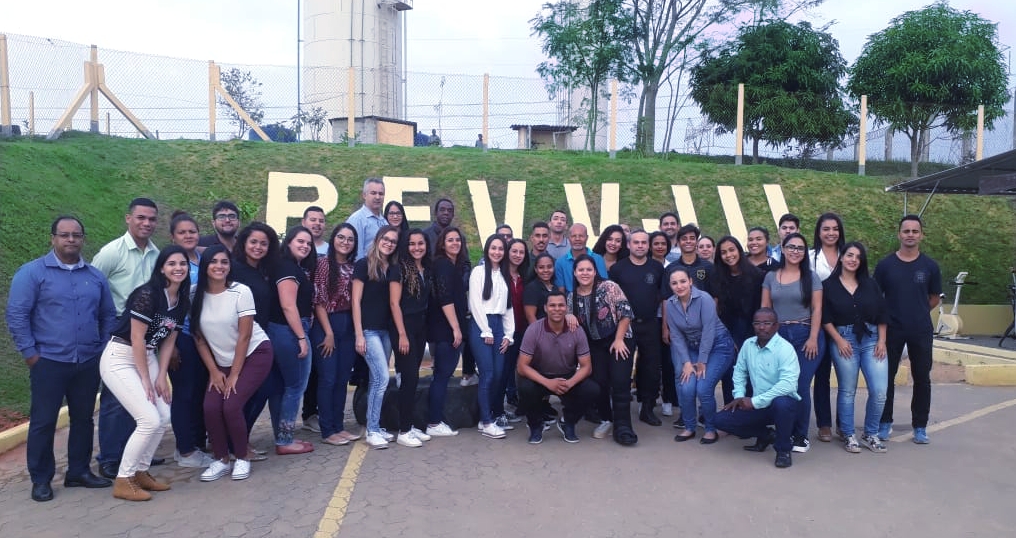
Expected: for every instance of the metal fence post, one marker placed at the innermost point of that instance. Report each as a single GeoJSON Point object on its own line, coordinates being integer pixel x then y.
{"type": "Point", "coordinates": [862, 150]}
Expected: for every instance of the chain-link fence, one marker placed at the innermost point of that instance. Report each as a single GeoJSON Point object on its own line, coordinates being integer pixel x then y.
{"type": "Point", "coordinates": [170, 96]}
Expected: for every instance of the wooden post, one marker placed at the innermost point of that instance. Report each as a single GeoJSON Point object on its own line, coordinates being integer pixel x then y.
{"type": "Point", "coordinates": [93, 124]}
{"type": "Point", "coordinates": [613, 121]}
{"type": "Point", "coordinates": [739, 132]}
{"type": "Point", "coordinates": [5, 91]}
{"type": "Point", "coordinates": [486, 118]}
{"type": "Point", "coordinates": [31, 113]}
{"type": "Point", "coordinates": [213, 80]}
{"type": "Point", "coordinates": [980, 133]}
{"type": "Point", "coordinates": [351, 109]}
{"type": "Point", "coordinates": [862, 149]}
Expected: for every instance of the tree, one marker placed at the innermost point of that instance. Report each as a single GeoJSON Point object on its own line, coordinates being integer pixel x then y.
{"type": "Point", "coordinates": [791, 78]}
{"type": "Point", "coordinates": [316, 119]}
{"type": "Point", "coordinates": [587, 43]}
{"type": "Point", "coordinates": [665, 28]}
{"type": "Point", "coordinates": [246, 91]}
{"type": "Point", "coordinates": [932, 68]}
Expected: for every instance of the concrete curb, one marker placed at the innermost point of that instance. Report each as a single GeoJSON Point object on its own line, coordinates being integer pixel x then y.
{"type": "Point", "coordinates": [990, 375]}
{"type": "Point", "coordinates": [19, 434]}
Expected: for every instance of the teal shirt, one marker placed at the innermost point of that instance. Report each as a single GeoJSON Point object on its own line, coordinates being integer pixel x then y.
{"type": "Point", "coordinates": [773, 371]}
{"type": "Point", "coordinates": [126, 267]}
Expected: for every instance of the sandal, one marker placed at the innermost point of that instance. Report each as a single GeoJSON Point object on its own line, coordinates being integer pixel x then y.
{"type": "Point", "coordinates": [297, 447]}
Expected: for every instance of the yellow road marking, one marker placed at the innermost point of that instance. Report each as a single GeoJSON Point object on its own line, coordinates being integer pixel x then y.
{"type": "Point", "coordinates": [331, 520]}
{"type": "Point", "coordinates": [958, 420]}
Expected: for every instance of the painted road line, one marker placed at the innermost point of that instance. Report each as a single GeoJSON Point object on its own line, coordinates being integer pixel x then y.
{"type": "Point", "coordinates": [331, 520]}
{"type": "Point", "coordinates": [958, 420]}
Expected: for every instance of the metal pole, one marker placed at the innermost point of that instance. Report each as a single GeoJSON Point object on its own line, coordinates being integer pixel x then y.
{"type": "Point", "coordinates": [739, 132]}
{"type": "Point", "coordinates": [351, 104]}
{"type": "Point", "coordinates": [486, 102]}
{"type": "Point", "coordinates": [862, 149]}
{"type": "Point", "coordinates": [298, 46]}
{"type": "Point", "coordinates": [980, 133]}
{"type": "Point", "coordinates": [213, 79]}
{"type": "Point", "coordinates": [613, 120]}
{"type": "Point", "coordinates": [31, 113]}
{"type": "Point", "coordinates": [93, 125]}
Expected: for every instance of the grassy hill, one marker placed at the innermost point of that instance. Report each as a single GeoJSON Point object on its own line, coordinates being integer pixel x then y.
{"type": "Point", "coordinates": [94, 177]}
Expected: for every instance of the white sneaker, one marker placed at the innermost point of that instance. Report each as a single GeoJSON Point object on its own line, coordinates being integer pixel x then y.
{"type": "Point", "coordinates": [215, 471]}
{"type": "Point", "coordinates": [603, 430]}
{"type": "Point", "coordinates": [668, 409]}
{"type": "Point", "coordinates": [419, 434]}
{"type": "Point", "coordinates": [241, 469]}
{"type": "Point", "coordinates": [441, 430]}
{"type": "Point", "coordinates": [468, 380]}
{"type": "Point", "coordinates": [197, 460]}
{"type": "Point", "coordinates": [388, 436]}
{"type": "Point", "coordinates": [312, 424]}
{"type": "Point", "coordinates": [408, 439]}
{"type": "Point", "coordinates": [493, 431]}
{"type": "Point", "coordinates": [376, 440]}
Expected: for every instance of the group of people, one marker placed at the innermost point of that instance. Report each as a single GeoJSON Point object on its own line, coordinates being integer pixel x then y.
{"type": "Point", "coordinates": [204, 333]}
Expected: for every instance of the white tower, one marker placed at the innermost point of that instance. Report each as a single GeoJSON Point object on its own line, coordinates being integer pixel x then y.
{"type": "Point", "coordinates": [364, 34]}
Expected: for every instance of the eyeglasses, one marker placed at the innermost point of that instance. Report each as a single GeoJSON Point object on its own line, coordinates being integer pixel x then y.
{"type": "Point", "coordinates": [763, 323]}
{"type": "Point", "coordinates": [345, 238]}
{"type": "Point", "coordinates": [69, 235]}
{"type": "Point", "coordinates": [389, 240]}
{"type": "Point", "coordinates": [394, 213]}
{"type": "Point", "coordinates": [224, 216]}
{"type": "Point", "coordinates": [794, 248]}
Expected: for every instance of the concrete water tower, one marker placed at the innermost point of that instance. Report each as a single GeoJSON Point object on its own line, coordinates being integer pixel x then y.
{"type": "Point", "coordinates": [367, 35]}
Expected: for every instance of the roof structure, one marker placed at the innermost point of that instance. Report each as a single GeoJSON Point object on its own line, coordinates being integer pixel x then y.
{"type": "Point", "coordinates": [992, 176]}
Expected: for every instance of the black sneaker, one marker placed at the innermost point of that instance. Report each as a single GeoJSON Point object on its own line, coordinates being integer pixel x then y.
{"type": "Point", "coordinates": [535, 435]}
{"type": "Point", "coordinates": [783, 460]}
{"type": "Point", "coordinates": [679, 423]}
{"type": "Point", "coordinates": [567, 431]}
{"type": "Point", "coordinates": [801, 445]}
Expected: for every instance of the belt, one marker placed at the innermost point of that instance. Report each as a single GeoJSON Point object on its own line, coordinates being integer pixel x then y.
{"type": "Point", "coordinates": [808, 323]}
{"type": "Point", "coordinates": [118, 340]}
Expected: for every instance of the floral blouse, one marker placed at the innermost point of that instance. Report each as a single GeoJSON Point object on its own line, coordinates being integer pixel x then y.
{"type": "Point", "coordinates": [600, 312]}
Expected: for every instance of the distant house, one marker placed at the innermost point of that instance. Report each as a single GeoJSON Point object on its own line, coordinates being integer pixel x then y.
{"type": "Point", "coordinates": [544, 136]}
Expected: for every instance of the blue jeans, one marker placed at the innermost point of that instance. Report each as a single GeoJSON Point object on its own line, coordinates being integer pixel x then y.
{"type": "Point", "coordinates": [379, 349]}
{"type": "Point", "coordinates": [720, 359]}
{"type": "Point", "coordinates": [445, 358]}
{"type": "Point", "coordinates": [190, 383]}
{"type": "Point", "coordinates": [333, 371]}
{"type": "Point", "coordinates": [505, 387]}
{"type": "Point", "coordinates": [291, 373]}
{"type": "Point", "coordinates": [755, 422]}
{"type": "Point", "coordinates": [797, 334]}
{"type": "Point", "coordinates": [876, 376]}
{"type": "Point", "coordinates": [115, 426]}
{"type": "Point", "coordinates": [489, 364]}
{"type": "Point", "coordinates": [51, 381]}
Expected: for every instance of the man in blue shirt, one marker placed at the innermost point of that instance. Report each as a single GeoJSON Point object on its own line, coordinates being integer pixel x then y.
{"type": "Point", "coordinates": [60, 312]}
{"type": "Point", "coordinates": [770, 363]}
{"type": "Point", "coordinates": [368, 219]}
{"type": "Point", "coordinates": [577, 237]}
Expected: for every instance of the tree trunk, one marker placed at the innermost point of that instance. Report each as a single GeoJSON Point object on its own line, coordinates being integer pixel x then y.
{"type": "Point", "coordinates": [754, 150]}
{"type": "Point", "coordinates": [915, 151]}
{"type": "Point", "coordinates": [647, 123]}
{"type": "Point", "coordinates": [594, 102]}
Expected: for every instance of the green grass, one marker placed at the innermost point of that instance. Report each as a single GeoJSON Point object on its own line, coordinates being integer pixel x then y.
{"type": "Point", "coordinates": [93, 177]}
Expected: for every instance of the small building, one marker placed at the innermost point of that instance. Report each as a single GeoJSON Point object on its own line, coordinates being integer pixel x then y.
{"type": "Point", "coordinates": [375, 130]}
{"type": "Point", "coordinates": [544, 136]}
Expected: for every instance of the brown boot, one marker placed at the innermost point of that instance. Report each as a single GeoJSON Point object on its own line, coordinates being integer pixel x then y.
{"type": "Point", "coordinates": [126, 488]}
{"type": "Point", "coordinates": [148, 482]}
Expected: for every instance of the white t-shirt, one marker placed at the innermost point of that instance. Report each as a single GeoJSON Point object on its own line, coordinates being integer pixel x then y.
{"type": "Point", "coordinates": [220, 322]}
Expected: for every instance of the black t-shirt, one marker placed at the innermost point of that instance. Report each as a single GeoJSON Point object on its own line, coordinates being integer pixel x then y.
{"type": "Point", "coordinates": [289, 270]}
{"type": "Point", "coordinates": [866, 305]}
{"type": "Point", "coordinates": [410, 304]}
{"type": "Point", "coordinates": [906, 287]}
{"type": "Point", "coordinates": [701, 276]}
{"type": "Point", "coordinates": [146, 306]}
{"type": "Point", "coordinates": [375, 312]}
{"type": "Point", "coordinates": [641, 285]}
{"type": "Point", "coordinates": [740, 297]}
{"type": "Point", "coordinates": [449, 289]}
{"type": "Point", "coordinates": [261, 288]}
{"type": "Point", "coordinates": [535, 294]}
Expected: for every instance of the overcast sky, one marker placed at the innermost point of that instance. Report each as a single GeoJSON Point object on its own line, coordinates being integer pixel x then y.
{"type": "Point", "coordinates": [445, 36]}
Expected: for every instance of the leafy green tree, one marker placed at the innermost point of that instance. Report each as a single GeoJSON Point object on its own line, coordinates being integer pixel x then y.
{"type": "Point", "coordinates": [246, 91]}
{"type": "Point", "coordinates": [932, 68]}
{"type": "Point", "coordinates": [315, 119]}
{"type": "Point", "coordinates": [791, 78]}
{"type": "Point", "coordinates": [587, 43]}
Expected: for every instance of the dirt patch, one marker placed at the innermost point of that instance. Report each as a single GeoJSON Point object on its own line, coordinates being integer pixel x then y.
{"type": "Point", "coordinates": [10, 419]}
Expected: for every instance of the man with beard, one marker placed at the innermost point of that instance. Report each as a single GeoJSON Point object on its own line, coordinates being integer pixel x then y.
{"type": "Point", "coordinates": [225, 222]}
{"type": "Point", "coordinates": [314, 220]}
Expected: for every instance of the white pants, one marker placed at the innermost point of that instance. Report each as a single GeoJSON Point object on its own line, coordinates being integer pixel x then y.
{"type": "Point", "coordinates": [121, 376]}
